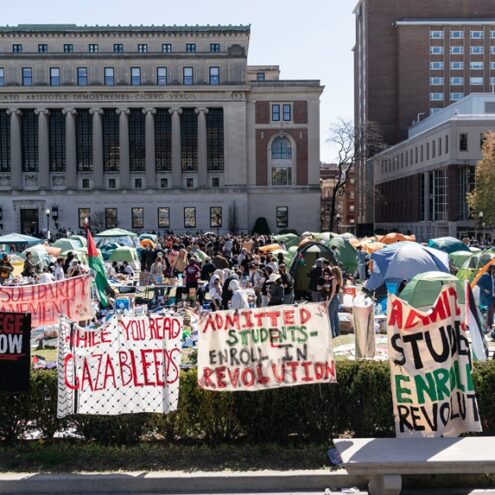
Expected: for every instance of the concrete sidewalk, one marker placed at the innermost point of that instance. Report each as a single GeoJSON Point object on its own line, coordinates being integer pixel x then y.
{"type": "Point", "coordinates": [168, 482]}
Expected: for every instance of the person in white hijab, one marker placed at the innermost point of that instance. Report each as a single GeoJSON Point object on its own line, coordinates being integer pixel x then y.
{"type": "Point", "coordinates": [239, 298]}
{"type": "Point", "coordinates": [215, 291]}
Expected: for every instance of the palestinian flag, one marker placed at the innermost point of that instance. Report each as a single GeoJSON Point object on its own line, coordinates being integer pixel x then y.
{"type": "Point", "coordinates": [96, 264]}
{"type": "Point", "coordinates": [300, 260]}
{"type": "Point", "coordinates": [474, 322]}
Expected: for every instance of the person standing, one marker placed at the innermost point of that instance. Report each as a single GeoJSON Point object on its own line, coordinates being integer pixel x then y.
{"type": "Point", "coordinates": [239, 296]}
{"type": "Point", "coordinates": [486, 283]}
{"type": "Point", "coordinates": [287, 283]}
{"type": "Point", "coordinates": [361, 259]}
{"type": "Point", "coordinates": [314, 275]}
{"type": "Point", "coordinates": [275, 290]}
{"type": "Point", "coordinates": [6, 268]}
{"type": "Point", "coordinates": [330, 285]}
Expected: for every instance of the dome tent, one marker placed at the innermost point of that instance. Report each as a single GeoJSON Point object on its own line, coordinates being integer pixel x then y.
{"type": "Point", "coordinates": [304, 259]}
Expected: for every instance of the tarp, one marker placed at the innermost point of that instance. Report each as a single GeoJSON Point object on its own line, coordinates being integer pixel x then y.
{"type": "Point", "coordinates": [15, 238]}
{"type": "Point", "coordinates": [404, 260]}
{"type": "Point", "coordinates": [423, 289]}
{"type": "Point", "coordinates": [393, 237]}
{"type": "Point", "coordinates": [447, 244]}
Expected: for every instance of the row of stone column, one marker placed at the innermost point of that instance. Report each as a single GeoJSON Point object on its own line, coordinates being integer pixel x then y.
{"type": "Point", "coordinates": [98, 168]}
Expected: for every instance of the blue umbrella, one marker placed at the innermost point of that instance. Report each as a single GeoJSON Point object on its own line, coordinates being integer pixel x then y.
{"type": "Point", "coordinates": [404, 260]}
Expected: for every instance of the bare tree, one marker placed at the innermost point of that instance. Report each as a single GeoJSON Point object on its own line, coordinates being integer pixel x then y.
{"type": "Point", "coordinates": [353, 144]}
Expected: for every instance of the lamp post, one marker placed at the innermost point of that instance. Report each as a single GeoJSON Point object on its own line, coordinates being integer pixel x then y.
{"type": "Point", "coordinates": [47, 212]}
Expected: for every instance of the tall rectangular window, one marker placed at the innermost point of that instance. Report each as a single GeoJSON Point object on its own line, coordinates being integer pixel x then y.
{"type": "Point", "coordinates": [187, 76]}
{"type": "Point", "coordinates": [68, 47]}
{"type": "Point", "coordinates": [163, 218]}
{"type": "Point", "coordinates": [2, 76]}
{"type": "Point", "coordinates": [214, 47]}
{"type": "Point", "coordinates": [282, 214]}
{"type": "Point", "coordinates": [82, 76]}
{"type": "Point", "coordinates": [463, 142]}
{"type": "Point", "coordinates": [161, 76]}
{"type": "Point", "coordinates": [137, 140]}
{"type": "Point", "coordinates": [166, 47]}
{"type": "Point", "coordinates": [276, 112]}
{"type": "Point", "coordinates": [54, 76]}
{"type": "Point", "coordinates": [93, 48]}
{"type": "Point", "coordinates": [118, 48]}
{"type": "Point", "coordinates": [189, 139]}
{"type": "Point", "coordinates": [214, 75]}
{"type": "Point", "coordinates": [111, 219]}
{"type": "Point", "coordinates": [84, 140]}
{"type": "Point", "coordinates": [29, 132]}
{"type": "Point", "coordinates": [214, 139]}
{"type": "Point", "coordinates": [27, 76]}
{"type": "Point", "coordinates": [109, 76]}
{"type": "Point", "coordinates": [163, 140]}
{"type": "Point", "coordinates": [111, 142]}
{"type": "Point", "coordinates": [446, 143]}
{"type": "Point", "coordinates": [189, 217]}
{"type": "Point", "coordinates": [142, 48]}
{"type": "Point", "coordinates": [135, 76]}
{"type": "Point", "coordinates": [191, 47]}
{"type": "Point", "coordinates": [215, 217]}
{"type": "Point", "coordinates": [82, 214]}
{"type": "Point", "coordinates": [42, 48]}
{"type": "Point", "coordinates": [16, 48]}
{"type": "Point", "coordinates": [4, 141]}
{"type": "Point", "coordinates": [57, 141]}
{"type": "Point", "coordinates": [287, 112]}
{"type": "Point", "coordinates": [137, 218]}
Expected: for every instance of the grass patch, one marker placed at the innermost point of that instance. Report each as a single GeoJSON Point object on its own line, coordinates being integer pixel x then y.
{"type": "Point", "coordinates": [72, 456]}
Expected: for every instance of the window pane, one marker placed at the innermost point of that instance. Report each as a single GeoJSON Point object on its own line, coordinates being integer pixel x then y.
{"type": "Point", "coordinates": [57, 141]}
{"type": "Point", "coordinates": [163, 140]}
{"type": "Point", "coordinates": [276, 112]}
{"type": "Point", "coordinates": [282, 217]}
{"type": "Point", "coordinates": [109, 76]}
{"type": "Point", "coordinates": [287, 112]}
{"type": "Point", "coordinates": [189, 217]}
{"type": "Point", "coordinates": [82, 76]}
{"type": "Point", "coordinates": [214, 75]}
{"type": "Point", "coordinates": [214, 138]}
{"type": "Point", "coordinates": [29, 130]}
{"type": "Point", "coordinates": [27, 76]}
{"type": "Point", "coordinates": [2, 76]}
{"type": "Point", "coordinates": [84, 140]}
{"type": "Point", "coordinates": [189, 139]}
{"type": "Point", "coordinates": [281, 149]}
{"type": "Point", "coordinates": [111, 144]}
{"type": "Point", "coordinates": [135, 76]}
{"type": "Point", "coordinates": [83, 213]}
{"type": "Point", "coordinates": [188, 76]}
{"type": "Point", "coordinates": [164, 218]}
{"type": "Point", "coordinates": [137, 140]}
{"type": "Point", "coordinates": [161, 76]}
{"type": "Point", "coordinates": [110, 218]}
{"type": "Point", "coordinates": [216, 216]}
{"type": "Point", "coordinates": [137, 218]}
{"type": "Point", "coordinates": [281, 176]}
{"type": "Point", "coordinates": [54, 76]}
{"type": "Point", "coordinates": [4, 141]}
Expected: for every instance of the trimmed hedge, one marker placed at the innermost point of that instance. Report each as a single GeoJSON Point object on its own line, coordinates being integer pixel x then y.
{"type": "Point", "coordinates": [359, 405]}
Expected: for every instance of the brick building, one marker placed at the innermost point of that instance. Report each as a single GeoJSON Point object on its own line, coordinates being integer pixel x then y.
{"type": "Point", "coordinates": [413, 58]}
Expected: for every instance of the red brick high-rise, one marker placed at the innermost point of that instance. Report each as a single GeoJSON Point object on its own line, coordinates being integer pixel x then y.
{"type": "Point", "coordinates": [411, 58]}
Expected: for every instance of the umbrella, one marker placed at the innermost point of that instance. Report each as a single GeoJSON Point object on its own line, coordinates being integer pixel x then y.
{"type": "Point", "coordinates": [404, 260]}
{"type": "Point", "coordinates": [116, 233]}
{"type": "Point", "coordinates": [19, 239]}
{"type": "Point", "coordinates": [40, 256]}
{"type": "Point", "coordinates": [423, 289]}
{"type": "Point", "coordinates": [67, 244]}
{"type": "Point", "coordinates": [124, 253]}
{"type": "Point", "coordinates": [447, 244]}
{"type": "Point", "coordinates": [459, 257]}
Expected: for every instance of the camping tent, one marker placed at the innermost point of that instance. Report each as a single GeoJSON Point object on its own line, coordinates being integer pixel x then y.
{"type": "Point", "coordinates": [304, 259]}
{"type": "Point", "coordinates": [80, 239]}
{"type": "Point", "coordinates": [474, 264]}
{"type": "Point", "coordinates": [423, 289]}
{"type": "Point", "coordinates": [288, 240]}
{"type": "Point", "coordinates": [459, 257]}
{"type": "Point", "coordinates": [393, 237]}
{"type": "Point", "coordinates": [120, 236]}
{"type": "Point", "coordinates": [67, 244]}
{"type": "Point", "coordinates": [402, 261]}
{"type": "Point", "coordinates": [345, 253]}
{"type": "Point", "coordinates": [19, 239]}
{"type": "Point", "coordinates": [124, 253]}
{"type": "Point", "coordinates": [447, 244]}
{"type": "Point", "coordinates": [40, 256]}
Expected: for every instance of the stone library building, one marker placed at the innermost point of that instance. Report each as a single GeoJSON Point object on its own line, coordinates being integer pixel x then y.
{"type": "Point", "coordinates": [152, 128]}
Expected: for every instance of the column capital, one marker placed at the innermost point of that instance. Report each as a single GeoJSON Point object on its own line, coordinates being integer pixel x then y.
{"type": "Point", "coordinates": [69, 111]}
{"type": "Point", "coordinates": [14, 111]}
{"type": "Point", "coordinates": [199, 110]}
{"type": "Point", "coordinates": [42, 111]}
{"type": "Point", "coordinates": [122, 111]}
{"type": "Point", "coordinates": [178, 111]}
{"type": "Point", "coordinates": [98, 111]}
{"type": "Point", "coordinates": [149, 110]}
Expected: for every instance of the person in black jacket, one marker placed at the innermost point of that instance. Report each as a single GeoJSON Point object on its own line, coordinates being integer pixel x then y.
{"type": "Point", "coordinates": [314, 275]}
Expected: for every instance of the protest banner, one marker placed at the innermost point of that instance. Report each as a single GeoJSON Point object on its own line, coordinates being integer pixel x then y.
{"type": "Point", "coordinates": [15, 358]}
{"type": "Point", "coordinates": [129, 365]}
{"type": "Point", "coordinates": [261, 348]}
{"type": "Point", "coordinates": [46, 302]}
{"type": "Point", "coordinates": [430, 368]}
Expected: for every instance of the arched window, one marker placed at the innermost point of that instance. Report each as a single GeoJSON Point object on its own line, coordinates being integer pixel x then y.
{"type": "Point", "coordinates": [281, 149]}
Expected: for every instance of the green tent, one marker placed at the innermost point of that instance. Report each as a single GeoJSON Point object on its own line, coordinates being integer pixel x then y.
{"type": "Point", "coordinates": [124, 253]}
{"type": "Point", "coordinates": [116, 233]}
{"type": "Point", "coordinates": [474, 264]}
{"type": "Point", "coordinates": [423, 289]}
{"type": "Point", "coordinates": [345, 253]}
{"type": "Point", "coordinates": [288, 257]}
{"type": "Point", "coordinates": [459, 257]}
{"type": "Point", "coordinates": [288, 240]}
{"type": "Point", "coordinates": [79, 238]}
{"type": "Point", "coordinates": [67, 244]}
{"type": "Point", "coordinates": [447, 244]}
{"type": "Point", "coordinates": [40, 256]}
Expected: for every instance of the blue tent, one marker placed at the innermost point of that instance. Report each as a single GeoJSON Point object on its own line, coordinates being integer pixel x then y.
{"type": "Point", "coordinates": [19, 239]}
{"type": "Point", "coordinates": [404, 260]}
{"type": "Point", "coordinates": [447, 244]}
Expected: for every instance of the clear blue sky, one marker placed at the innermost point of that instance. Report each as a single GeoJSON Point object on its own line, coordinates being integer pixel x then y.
{"type": "Point", "coordinates": [309, 39]}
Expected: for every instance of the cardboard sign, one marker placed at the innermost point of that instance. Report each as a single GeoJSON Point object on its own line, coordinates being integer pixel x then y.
{"type": "Point", "coordinates": [130, 365]}
{"type": "Point", "coordinates": [430, 368]}
{"type": "Point", "coordinates": [15, 358]}
{"type": "Point", "coordinates": [261, 348]}
{"type": "Point", "coordinates": [46, 302]}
